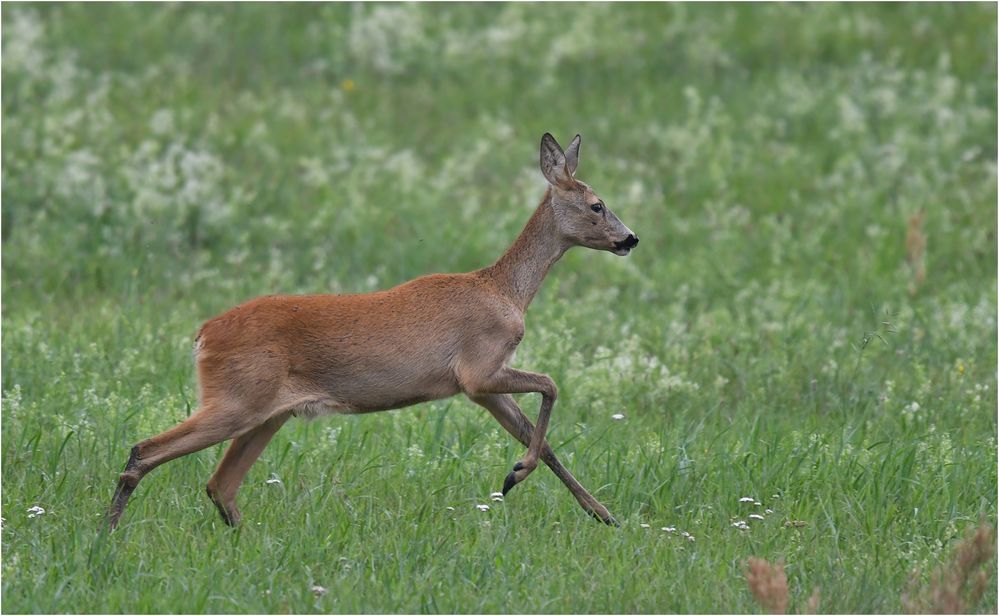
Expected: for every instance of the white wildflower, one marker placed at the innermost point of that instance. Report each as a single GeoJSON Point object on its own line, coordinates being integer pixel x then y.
{"type": "Point", "coordinates": [314, 172]}
{"type": "Point", "coordinates": [482, 507]}
{"type": "Point", "coordinates": [617, 416]}
{"type": "Point", "coordinates": [162, 122]}
{"type": "Point", "coordinates": [384, 36]}
{"type": "Point", "coordinates": [35, 511]}
{"type": "Point", "coordinates": [910, 410]}
{"type": "Point", "coordinates": [24, 44]}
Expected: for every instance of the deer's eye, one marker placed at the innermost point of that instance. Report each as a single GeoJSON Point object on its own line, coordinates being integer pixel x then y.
{"type": "Point", "coordinates": [597, 207]}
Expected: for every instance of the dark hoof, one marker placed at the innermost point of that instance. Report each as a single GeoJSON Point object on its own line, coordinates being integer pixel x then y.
{"type": "Point", "coordinates": [609, 521]}
{"type": "Point", "coordinates": [511, 479]}
{"type": "Point", "coordinates": [509, 482]}
{"type": "Point", "coordinates": [231, 517]}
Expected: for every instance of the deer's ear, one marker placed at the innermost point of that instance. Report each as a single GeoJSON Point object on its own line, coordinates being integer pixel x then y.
{"type": "Point", "coordinates": [553, 162]}
{"type": "Point", "coordinates": [572, 155]}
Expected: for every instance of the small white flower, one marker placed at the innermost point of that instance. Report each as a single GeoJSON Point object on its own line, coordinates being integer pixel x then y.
{"type": "Point", "coordinates": [741, 525]}
{"type": "Point", "coordinates": [450, 508]}
{"type": "Point", "coordinates": [768, 511]}
{"type": "Point", "coordinates": [482, 507]}
{"type": "Point", "coordinates": [318, 590]}
{"type": "Point", "coordinates": [617, 416]}
{"type": "Point", "coordinates": [747, 499]}
{"type": "Point", "coordinates": [669, 529]}
{"type": "Point", "coordinates": [757, 503]}
{"type": "Point", "coordinates": [162, 122]}
{"type": "Point", "coordinates": [273, 480]}
{"type": "Point", "coordinates": [644, 525]}
{"type": "Point", "coordinates": [497, 496]}
{"type": "Point", "coordinates": [775, 496]}
{"type": "Point", "coordinates": [756, 516]}
{"type": "Point", "coordinates": [35, 511]}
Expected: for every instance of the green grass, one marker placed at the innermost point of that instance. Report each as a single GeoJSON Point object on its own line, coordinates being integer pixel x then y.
{"type": "Point", "coordinates": [766, 339]}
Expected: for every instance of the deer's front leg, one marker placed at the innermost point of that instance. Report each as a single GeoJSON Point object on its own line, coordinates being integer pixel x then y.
{"type": "Point", "coordinates": [508, 380]}
{"type": "Point", "coordinates": [508, 414]}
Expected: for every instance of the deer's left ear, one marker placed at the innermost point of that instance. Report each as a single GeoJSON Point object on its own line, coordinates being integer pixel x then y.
{"type": "Point", "coordinates": [553, 163]}
{"type": "Point", "coordinates": [572, 155]}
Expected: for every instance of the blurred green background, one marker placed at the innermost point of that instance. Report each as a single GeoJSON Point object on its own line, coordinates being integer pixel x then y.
{"type": "Point", "coordinates": [810, 318]}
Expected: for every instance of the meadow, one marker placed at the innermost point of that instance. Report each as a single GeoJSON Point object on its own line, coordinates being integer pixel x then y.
{"type": "Point", "coordinates": [803, 346]}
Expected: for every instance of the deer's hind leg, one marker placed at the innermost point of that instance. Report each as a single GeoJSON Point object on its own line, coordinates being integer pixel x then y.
{"type": "Point", "coordinates": [209, 425]}
{"type": "Point", "coordinates": [242, 453]}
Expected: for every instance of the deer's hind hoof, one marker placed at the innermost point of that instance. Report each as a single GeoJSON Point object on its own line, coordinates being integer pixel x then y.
{"type": "Point", "coordinates": [609, 520]}
{"type": "Point", "coordinates": [230, 513]}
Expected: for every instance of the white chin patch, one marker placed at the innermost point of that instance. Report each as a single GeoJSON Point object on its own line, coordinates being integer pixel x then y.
{"type": "Point", "coordinates": [622, 252]}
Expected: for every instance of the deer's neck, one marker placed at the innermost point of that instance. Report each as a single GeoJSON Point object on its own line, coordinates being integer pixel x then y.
{"type": "Point", "coordinates": [522, 268]}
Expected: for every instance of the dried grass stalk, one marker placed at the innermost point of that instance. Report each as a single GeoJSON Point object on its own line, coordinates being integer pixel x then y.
{"type": "Point", "coordinates": [812, 607]}
{"type": "Point", "coordinates": [957, 585]}
{"type": "Point", "coordinates": [768, 583]}
{"type": "Point", "coordinates": [915, 248]}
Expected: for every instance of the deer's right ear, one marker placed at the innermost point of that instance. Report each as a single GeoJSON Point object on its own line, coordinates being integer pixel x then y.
{"type": "Point", "coordinates": [553, 163]}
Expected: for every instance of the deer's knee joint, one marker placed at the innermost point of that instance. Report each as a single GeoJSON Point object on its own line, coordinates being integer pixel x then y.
{"type": "Point", "coordinates": [549, 389]}
{"type": "Point", "coordinates": [527, 464]}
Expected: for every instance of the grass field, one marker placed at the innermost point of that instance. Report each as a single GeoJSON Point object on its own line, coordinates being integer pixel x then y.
{"type": "Point", "coordinates": [809, 321]}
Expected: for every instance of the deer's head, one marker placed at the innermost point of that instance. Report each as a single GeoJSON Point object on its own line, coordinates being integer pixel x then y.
{"type": "Point", "coordinates": [582, 217]}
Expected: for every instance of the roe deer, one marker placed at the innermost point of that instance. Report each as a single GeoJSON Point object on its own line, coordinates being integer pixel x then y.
{"type": "Point", "coordinates": [427, 339]}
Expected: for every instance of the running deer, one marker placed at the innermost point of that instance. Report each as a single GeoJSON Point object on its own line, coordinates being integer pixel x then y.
{"type": "Point", "coordinates": [430, 338]}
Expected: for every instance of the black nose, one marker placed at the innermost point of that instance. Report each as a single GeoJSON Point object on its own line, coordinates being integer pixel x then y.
{"type": "Point", "coordinates": [627, 243]}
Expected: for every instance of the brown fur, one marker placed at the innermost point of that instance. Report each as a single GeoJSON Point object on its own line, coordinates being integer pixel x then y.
{"type": "Point", "coordinates": [427, 339]}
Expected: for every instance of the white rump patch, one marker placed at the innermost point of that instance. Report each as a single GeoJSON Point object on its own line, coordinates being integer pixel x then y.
{"type": "Point", "coordinates": [198, 343]}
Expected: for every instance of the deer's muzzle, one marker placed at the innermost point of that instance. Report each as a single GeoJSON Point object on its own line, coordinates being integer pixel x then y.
{"type": "Point", "coordinates": [624, 246]}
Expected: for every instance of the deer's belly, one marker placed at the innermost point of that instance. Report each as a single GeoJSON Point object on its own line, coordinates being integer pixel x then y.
{"type": "Point", "coordinates": [369, 391]}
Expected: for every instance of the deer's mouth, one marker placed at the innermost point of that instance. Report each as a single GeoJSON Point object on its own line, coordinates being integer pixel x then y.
{"type": "Point", "coordinates": [623, 247]}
